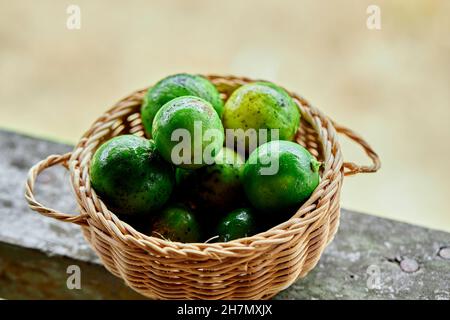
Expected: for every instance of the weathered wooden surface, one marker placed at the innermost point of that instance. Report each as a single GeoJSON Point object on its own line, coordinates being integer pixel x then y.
{"type": "Point", "coordinates": [370, 258]}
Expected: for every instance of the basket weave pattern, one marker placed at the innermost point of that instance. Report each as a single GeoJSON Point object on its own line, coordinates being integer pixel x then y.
{"type": "Point", "coordinates": [257, 267]}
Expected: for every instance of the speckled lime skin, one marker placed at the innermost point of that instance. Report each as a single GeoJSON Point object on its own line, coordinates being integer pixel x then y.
{"type": "Point", "coordinates": [182, 113]}
{"type": "Point", "coordinates": [130, 176]}
{"type": "Point", "coordinates": [239, 223]}
{"type": "Point", "coordinates": [177, 223]}
{"type": "Point", "coordinates": [175, 86]}
{"type": "Point", "coordinates": [262, 105]}
{"type": "Point", "coordinates": [297, 177]}
{"type": "Point", "coordinates": [216, 186]}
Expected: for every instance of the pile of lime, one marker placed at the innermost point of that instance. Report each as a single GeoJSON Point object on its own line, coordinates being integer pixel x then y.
{"type": "Point", "coordinates": [208, 170]}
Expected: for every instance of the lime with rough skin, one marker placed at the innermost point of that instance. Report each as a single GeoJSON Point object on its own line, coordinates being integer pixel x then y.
{"type": "Point", "coordinates": [240, 223]}
{"type": "Point", "coordinates": [188, 132]}
{"type": "Point", "coordinates": [129, 174]}
{"type": "Point", "coordinates": [177, 223]}
{"type": "Point", "coordinates": [219, 185]}
{"type": "Point", "coordinates": [175, 86]}
{"type": "Point", "coordinates": [260, 105]}
{"type": "Point", "coordinates": [293, 177]}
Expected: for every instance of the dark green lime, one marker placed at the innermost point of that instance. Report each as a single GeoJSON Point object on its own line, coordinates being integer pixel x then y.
{"type": "Point", "coordinates": [240, 223]}
{"type": "Point", "coordinates": [177, 223]}
{"type": "Point", "coordinates": [218, 186]}
{"type": "Point", "coordinates": [130, 176]}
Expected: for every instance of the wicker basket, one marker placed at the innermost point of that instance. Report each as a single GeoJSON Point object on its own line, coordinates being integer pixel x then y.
{"type": "Point", "coordinates": [257, 267]}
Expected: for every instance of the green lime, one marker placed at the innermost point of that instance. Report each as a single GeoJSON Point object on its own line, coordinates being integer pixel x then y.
{"type": "Point", "coordinates": [280, 175]}
{"type": "Point", "coordinates": [240, 223]}
{"type": "Point", "coordinates": [129, 174]}
{"type": "Point", "coordinates": [218, 186]}
{"type": "Point", "coordinates": [175, 86]}
{"type": "Point", "coordinates": [176, 223]}
{"type": "Point", "coordinates": [260, 105]}
{"type": "Point", "coordinates": [188, 132]}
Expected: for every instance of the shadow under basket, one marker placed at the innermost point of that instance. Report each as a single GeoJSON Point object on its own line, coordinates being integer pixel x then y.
{"type": "Point", "coordinates": [256, 267]}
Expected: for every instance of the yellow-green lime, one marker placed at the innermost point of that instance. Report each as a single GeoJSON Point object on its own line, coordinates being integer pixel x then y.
{"type": "Point", "coordinates": [260, 105]}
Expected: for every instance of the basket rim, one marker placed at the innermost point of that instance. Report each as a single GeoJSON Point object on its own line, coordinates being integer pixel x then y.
{"type": "Point", "coordinates": [309, 213]}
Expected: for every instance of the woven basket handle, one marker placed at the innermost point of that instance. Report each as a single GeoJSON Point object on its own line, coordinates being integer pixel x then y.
{"type": "Point", "coordinates": [37, 206]}
{"type": "Point", "coordinates": [352, 168]}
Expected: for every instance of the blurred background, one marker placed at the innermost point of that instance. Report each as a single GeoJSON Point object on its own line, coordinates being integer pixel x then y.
{"type": "Point", "coordinates": [391, 85]}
